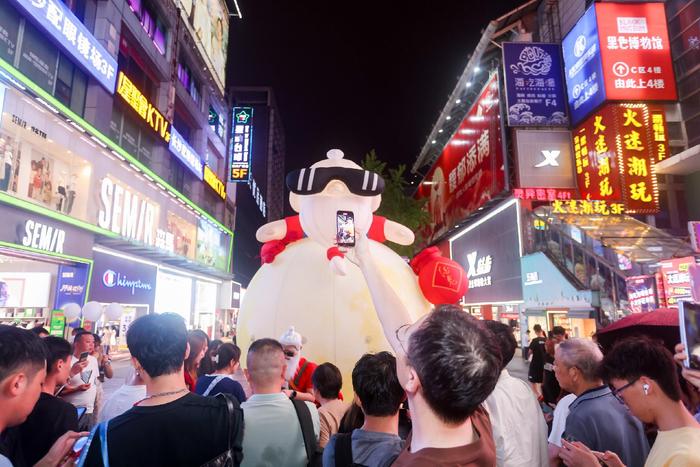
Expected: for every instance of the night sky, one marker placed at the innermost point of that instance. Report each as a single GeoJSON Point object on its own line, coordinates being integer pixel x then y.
{"type": "Point", "coordinates": [357, 75]}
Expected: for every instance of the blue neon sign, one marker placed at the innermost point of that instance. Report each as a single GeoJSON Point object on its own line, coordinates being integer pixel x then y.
{"type": "Point", "coordinates": [583, 67]}
{"type": "Point", "coordinates": [185, 154]}
{"type": "Point", "coordinates": [61, 24]}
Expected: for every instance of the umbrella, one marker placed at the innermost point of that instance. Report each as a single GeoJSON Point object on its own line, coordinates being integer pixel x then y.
{"type": "Point", "coordinates": [659, 324]}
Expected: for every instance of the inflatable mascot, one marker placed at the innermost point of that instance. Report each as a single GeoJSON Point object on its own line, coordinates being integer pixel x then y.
{"type": "Point", "coordinates": [306, 281]}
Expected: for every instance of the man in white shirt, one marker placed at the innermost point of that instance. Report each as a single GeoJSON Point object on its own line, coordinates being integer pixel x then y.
{"type": "Point", "coordinates": [273, 433]}
{"type": "Point", "coordinates": [124, 398]}
{"type": "Point", "coordinates": [81, 390]}
{"type": "Point", "coordinates": [519, 429]}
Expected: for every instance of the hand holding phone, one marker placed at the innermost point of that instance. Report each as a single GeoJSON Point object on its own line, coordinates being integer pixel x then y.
{"type": "Point", "coordinates": [83, 356]}
{"type": "Point", "coordinates": [345, 228]}
{"type": "Point", "coordinates": [689, 323]}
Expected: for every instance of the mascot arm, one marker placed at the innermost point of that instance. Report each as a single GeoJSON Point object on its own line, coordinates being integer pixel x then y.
{"type": "Point", "coordinates": [398, 233]}
{"type": "Point", "coordinates": [276, 235]}
{"type": "Point", "coordinates": [391, 311]}
{"type": "Point", "coordinates": [272, 231]}
{"type": "Point", "coordinates": [382, 229]}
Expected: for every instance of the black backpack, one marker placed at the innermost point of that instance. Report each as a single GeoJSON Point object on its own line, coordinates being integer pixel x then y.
{"type": "Point", "coordinates": [313, 452]}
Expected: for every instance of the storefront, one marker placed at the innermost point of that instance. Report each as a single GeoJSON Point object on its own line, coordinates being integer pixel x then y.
{"type": "Point", "coordinates": [44, 264]}
{"type": "Point", "coordinates": [489, 250]}
{"type": "Point", "coordinates": [551, 300]}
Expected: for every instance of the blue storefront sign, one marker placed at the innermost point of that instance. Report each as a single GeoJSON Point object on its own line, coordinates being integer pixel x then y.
{"type": "Point", "coordinates": [534, 87]}
{"type": "Point", "coordinates": [544, 286]}
{"type": "Point", "coordinates": [54, 18]}
{"type": "Point", "coordinates": [583, 67]}
{"type": "Point", "coordinates": [71, 285]}
{"type": "Point", "coordinates": [185, 154]}
{"type": "Point", "coordinates": [121, 280]}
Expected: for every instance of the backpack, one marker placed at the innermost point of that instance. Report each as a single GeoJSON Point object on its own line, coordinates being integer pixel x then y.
{"type": "Point", "coordinates": [314, 453]}
{"type": "Point", "coordinates": [343, 452]}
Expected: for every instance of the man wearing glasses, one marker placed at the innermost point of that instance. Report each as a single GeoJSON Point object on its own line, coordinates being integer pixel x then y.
{"type": "Point", "coordinates": [596, 417]}
{"type": "Point", "coordinates": [299, 369]}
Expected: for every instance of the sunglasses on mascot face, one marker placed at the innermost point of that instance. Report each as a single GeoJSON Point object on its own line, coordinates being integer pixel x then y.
{"type": "Point", "coordinates": [290, 353]}
{"type": "Point", "coordinates": [314, 180]}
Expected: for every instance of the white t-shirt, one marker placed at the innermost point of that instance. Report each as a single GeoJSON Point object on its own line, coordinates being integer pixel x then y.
{"type": "Point", "coordinates": [122, 400]}
{"type": "Point", "coordinates": [512, 407]}
{"type": "Point", "coordinates": [561, 411]}
{"type": "Point", "coordinates": [84, 398]}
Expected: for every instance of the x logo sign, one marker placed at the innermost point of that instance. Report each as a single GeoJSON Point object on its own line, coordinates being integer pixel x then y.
{"type": "Point", "coordinates": [550, 158]}
{"type": "Point", "coordinates": [471, 259]}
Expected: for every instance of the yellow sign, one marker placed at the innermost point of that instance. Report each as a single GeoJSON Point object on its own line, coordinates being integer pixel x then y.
{"type": "Point", "coordinates": [214, 182]}
{"type": "Point", "coordinates": [135, 98]}
{"type": "Point", "coordinates": [587, 208]}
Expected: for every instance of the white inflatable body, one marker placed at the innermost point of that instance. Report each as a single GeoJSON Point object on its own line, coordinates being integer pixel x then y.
{"type": "Point", "coordinates": [334, 313]}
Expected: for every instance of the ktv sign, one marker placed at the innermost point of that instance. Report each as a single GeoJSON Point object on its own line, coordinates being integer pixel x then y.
{"type": "Point", "coordinates": [618, 52]}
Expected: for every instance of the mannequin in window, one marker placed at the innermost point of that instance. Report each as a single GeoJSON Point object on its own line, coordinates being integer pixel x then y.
{"type": "Point", "coordinates": [6, 169]}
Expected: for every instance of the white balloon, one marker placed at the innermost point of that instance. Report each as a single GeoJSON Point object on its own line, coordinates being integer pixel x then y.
{"type": "Point", "coordinates": [71, 311]}
{"type": "Point", "coordinates": [92, 311]}
{"type": "Point", "coordinates": [113, 311]}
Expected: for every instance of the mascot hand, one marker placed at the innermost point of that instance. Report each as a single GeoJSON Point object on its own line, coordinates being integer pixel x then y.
{"type": "Point", "coordinates": [337, 261]}
{"type": "Point", "coordinates": [441, 279]}
{"type": "Point", "coordinates": [398, 233]}
{"type": "Point", "coordinates": [270, 250]}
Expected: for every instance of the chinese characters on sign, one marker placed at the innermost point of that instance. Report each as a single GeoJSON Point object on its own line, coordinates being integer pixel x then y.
{"type": "Point", "coordinates": [583, 67]}
{"type": "Point", "coordinates": [659, 133]}
{"type": "Point", "coordinates": [214, 182]}
{"type": "Point", "coordinates": [258, 196]}
{"type": "Point", "coordinates": [615, 156]}
{"type": "Point", "coordinates": [56, 19]}
{"type": "Point", "coordinates": [146, 110]}
{"type": "Point", "coordinates": [534, 87]}
{"type": "Point", "coordinates": [675, 275]}
{"type": "Point", "coordinates": [469, 172]}
{"type": "Point", "coordinates": [635, 51]}
{"type": "Point", "coordinates": [544, 194]}
{"type": "Point", "coordinates": [479, 272]}
{"type": "Point", "coordinates": [185, 154]}
{"type": "Point", "coordinates": [641, 293]}
{"type": "Point", "coordinates": [241, 144]}
{"type": "Point", "coordinates": [586, 207]}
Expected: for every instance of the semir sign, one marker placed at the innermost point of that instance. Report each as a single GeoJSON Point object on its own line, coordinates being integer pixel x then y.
{"type": "Point", "coordinates": [43, 237]}
{"type": "Point", "coordinates": [126, 213]}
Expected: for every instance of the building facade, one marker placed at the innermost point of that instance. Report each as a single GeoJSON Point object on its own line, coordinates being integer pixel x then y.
{"type": "Point", "coordinates": [113, 139]}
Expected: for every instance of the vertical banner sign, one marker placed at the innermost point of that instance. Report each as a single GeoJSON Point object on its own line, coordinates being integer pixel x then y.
{"type": "Point", "coordinates": [635, 51]}
{"type": "Point", "coordinates": [641, 293]}
{"type": "Point", "coordinates": [583, 67]}
{"type": "Point", "coordinates": [615, 154]}
{"type": "Point", "coordinates": [596, 158]}
{"type": "Point", "coordinates": [659, 132]}
{"type": "Point", "coordinates": [675, 274]}
{"type": "Point", "coordinates": [534, 86]}
{"type": "Point", "coordinates": [54, 18]}
{"type": "Point", "coordinates": [241, 144]}
{"type": "Point", "coordinates": [469, 172]}
{"type": "Point", "coordinates": [71, 285]}
{"type": "Point", "coordinates": [57, 323]}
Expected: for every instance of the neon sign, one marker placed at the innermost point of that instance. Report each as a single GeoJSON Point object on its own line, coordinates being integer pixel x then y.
{"type": "Point", "coordinates": [214, 182]}
{"type": "Point", "coordinates": [241, 144]}
{"type": "Point", "coordinates": [137, 101]}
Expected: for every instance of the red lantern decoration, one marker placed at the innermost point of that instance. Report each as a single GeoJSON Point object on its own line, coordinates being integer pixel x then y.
{"type": "Point", "coordinates": [442, 280]}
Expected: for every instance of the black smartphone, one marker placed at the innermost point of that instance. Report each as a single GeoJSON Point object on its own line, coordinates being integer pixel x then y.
{"type": "Point", "coordinates": [689, 321]}
{"type": "Point", "coordinates": [83, 356]}
{"type": "Point", "coordinates": [345, 224]}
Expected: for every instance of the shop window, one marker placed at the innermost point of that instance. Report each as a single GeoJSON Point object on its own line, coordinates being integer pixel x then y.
{"type": "Point", "coordinates": [188, 82]}
{"type": "Point", "coordinates": [71, 85]}
{"type": "Point", "coordinates": [183, 128]}
{"type": "Point", "coordinates": [692, 127]}
{"type": "Point", "coordinates": [151, 23]}
{"type": "Point", "coordinates": [177, 175]}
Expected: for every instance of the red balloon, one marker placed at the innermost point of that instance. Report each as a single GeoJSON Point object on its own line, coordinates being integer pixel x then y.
{"type": "Point", "coordinates": [442, 280]}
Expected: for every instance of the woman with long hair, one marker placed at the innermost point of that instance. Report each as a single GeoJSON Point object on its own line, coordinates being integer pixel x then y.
{"type": "Point", "coordinates": [198, 342]}
{"type": "Point", "coordinates": [207, 365]}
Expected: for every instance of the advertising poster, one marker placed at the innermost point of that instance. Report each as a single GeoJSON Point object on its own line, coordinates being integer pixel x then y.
{"type": "Point", "coordinates": [583, 68]}
{"type": "Point", "coordinates": [635, 51]}
{"type": "Point", "coordinates": [208, 21]}
{"type": "Point", "coordinates": [641, 293]}
{"type": "Point", "coordinates": [489, 251]}
{"type": "Point", "coordinates": [212, 245]}
{"type": "Point", "coordinates": [58, 323]}
{"type": "Point", "coordinates": [71, 285]}
{"type": "Point", "coordinates": [675, 274]}
{"type": "Point", "coordinates": [184, 234]}
{"type": "Point", "coordinates": [469, 172]}
{"type": "Point", "coordinates": [535, 93]}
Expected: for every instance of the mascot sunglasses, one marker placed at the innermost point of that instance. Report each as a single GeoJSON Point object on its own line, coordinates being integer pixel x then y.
{"type": "Point", "coordinates": [314, 180]}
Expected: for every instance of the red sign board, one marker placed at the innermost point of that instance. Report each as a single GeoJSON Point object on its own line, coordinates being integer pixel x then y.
{"type": "Point", "coordinates": [469, 172]}
{"type": "Point", "coordinates": [615, 151]}
{"type": "Point", "coordinates": [675, 274]}
{"type": "Point", "coordinates": [635, 51]}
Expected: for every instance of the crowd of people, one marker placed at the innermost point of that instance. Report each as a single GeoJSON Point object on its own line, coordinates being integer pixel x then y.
{"type": "Point", "coordinates": [443, 397]}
